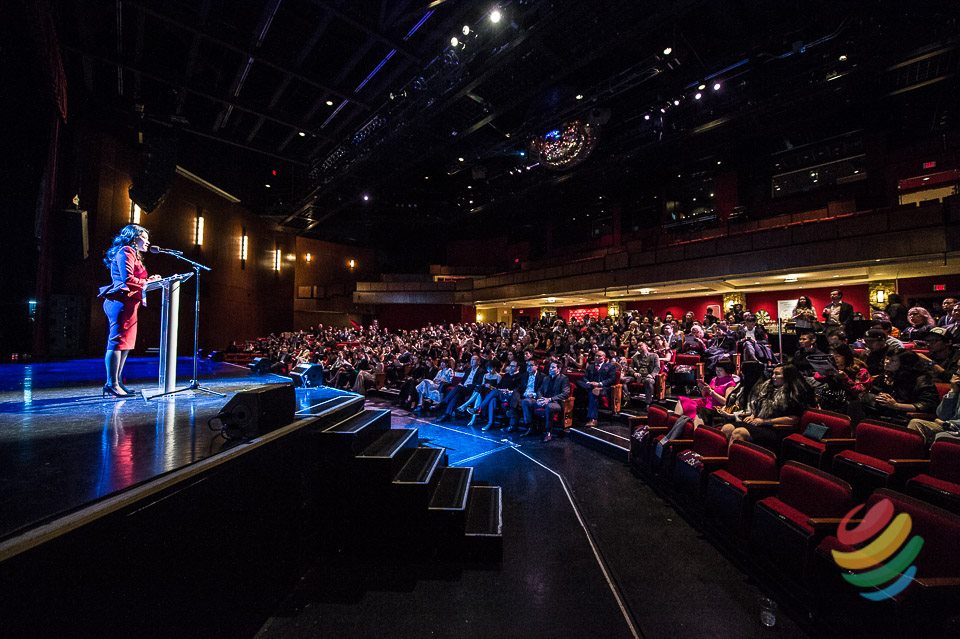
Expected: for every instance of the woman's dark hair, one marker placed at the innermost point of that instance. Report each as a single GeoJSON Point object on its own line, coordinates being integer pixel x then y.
{"type": "Point", "coordinates": [727, 366]}
{"type": "Point", "coordinates": [126, 237]}
{"type": "Point", "coordinates": [844, 351]}
{"type": "Point", "coordinates": [795, 388]}
{"type": "Point", "coordinates": [750, 373]}
{"type": "Point", "coordinates": [806, 299]}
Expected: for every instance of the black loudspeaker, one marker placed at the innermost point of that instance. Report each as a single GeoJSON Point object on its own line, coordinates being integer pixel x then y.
{"type": "Point", "coordinates": [307, 375]}
{"type": "Point", "coordinates": [216, 356]}
{"type": "Point", "coordinates": [158, 165]}
{"type": "Point", "coordinates": [260, 365]}
{"type": "Point", "coordinates": [70, 229]}
{"type": "Point", "coordinates": [259, 410]}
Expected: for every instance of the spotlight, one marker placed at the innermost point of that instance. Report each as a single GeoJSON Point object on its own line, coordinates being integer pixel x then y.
{"type": "Point", "coordinates": [465, 30]}
{"type": "Point", "coordinates": [454, 42]}
{"type": "Point", "coordinates": [426, 177]}
{"type": "Point", "coordinates": [459, 159]}
{"type": "Point", "coordinates": [662, 110]}
{"type": "Point", "coordinates": [843, 58]}
{"type": "Point", "coordinates": [676, 103]}
{"type": "Point", "coordinates": [579, 96]}
{"type": "Point", "coordinates": [366, 198]}
{"type": "Point", "coordinates": [302, 134]}
{"type": "Point", "coordinates": [701, 87]}
{"type": "Point", "coordinates": [716, 86]}
{"type": "Point", "coordinates": [667, 51]}
{"type": "Point", "coordinates": [469, 186]}
{"type": "Point", "coordinates": [495, 16]}
{"type": "Point", "coordinates": [697, 96]}
{"type": "Point", "coordinates": [646, 116]}
{"type": "Point", "coordinates": [329, 102]}
{"type": "Point", "coordinates": [266, 185]}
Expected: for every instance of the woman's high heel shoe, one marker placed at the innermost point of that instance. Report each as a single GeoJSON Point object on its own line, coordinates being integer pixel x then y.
{"type": "Point", "coordinates": [110, 390]}
{"type": "Point", "coordinates": [126, 390]}
{"type": "Point", "coordinates": [472, 421]}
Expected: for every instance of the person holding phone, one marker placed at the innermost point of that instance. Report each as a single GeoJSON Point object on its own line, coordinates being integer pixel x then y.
{"type": "Point", "coordinates": [948, 415]}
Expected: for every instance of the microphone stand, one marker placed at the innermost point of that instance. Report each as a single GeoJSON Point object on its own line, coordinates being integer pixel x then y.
{"type": "Point", "coordinates": [194, 382]}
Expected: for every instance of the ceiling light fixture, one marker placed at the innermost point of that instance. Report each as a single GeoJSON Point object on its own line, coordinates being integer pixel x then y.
{"type": "Point", "coordinates": [646, 116]}
{"type": "Point", "coordinates": [697, 96]}
{"type": "Point", "coordinates": [701, 87]}
{"type": "Point", "coordinates": [579, 96]}
{"type": "Point", "coordinates": [667, 51]}
{"type": "Point", "coordinates": [302, 134]}
{"type": "Point", "coordinates": [716, 86]}
{"type": "Point", "coordinates": [843, 58]}
{"type": "Point", "coordinates": [495, 16]}
{"type": "Point", "coordinates": [465, 30]}
{"type": "Point", "coordinates": [329, 102]}
{"type": "Point", "coordinates": [366, 198]}
{"type": "Point", "coordinates": [460, 159]}
{"type": "Point", "coordinates": [676, 103]}
{"type": "Point", "coordinates": [454, 42]}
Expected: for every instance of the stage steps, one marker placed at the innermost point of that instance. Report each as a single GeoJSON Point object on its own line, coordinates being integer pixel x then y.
{"type": "Point", "coordinates": [388, 496]}
{"type": "Point", "coordinates": [609, 438]}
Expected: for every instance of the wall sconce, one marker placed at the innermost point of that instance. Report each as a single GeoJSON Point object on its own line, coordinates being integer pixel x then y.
{"type": "Point", "coordinates": [479, 317]}
{"type": "Point", "coordinates": [243, 245]}
{"type": "Point", "coordinates": [198, 230]}
{"type": "Point", "coordinates": [277, 256]}
{"type": "Point", "coordinates": [134, 213]}
{"type": "Point", "coordinates": [351, 264]}
{"type": "Point", "coordinates": [881, 296]}
{"type": "Point", "coordinates": [309, 258]}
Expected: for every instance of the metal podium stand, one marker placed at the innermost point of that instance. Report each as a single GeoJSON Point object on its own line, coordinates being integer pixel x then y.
{"type": "Point", "coordinates": [169, 327]}
{"type": "Point", "coordinates": [169, 323]}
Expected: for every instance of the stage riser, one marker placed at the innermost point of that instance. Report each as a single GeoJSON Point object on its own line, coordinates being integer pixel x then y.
{"type": "Point", "coordinates": [207, 556]}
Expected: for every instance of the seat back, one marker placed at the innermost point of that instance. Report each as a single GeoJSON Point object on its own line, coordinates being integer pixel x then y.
{"type": "Point", "coordinates": [885, 441]}
{"type": "Point", "coordinates": [814, 492]}
{"type": "Point", "coordinates": [940, 530]}
{"type": "Point", "coordinates": [709, 442]}
{"type": "Point", "coordinates": [658, 416]}
{"type": "Point", "coordinates": [942, 388]}
{"type": "Point", "coordinates": [749, 461]}
{"type": "Point", "coordinates": [945, 460]}
{"type": "Point", "coordinates": [686, 360]}
{"type": "Point", "coordinates": [839, 424]}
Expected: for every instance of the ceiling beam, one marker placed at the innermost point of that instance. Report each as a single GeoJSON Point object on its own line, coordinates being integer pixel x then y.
{"type": "Point", "coordinates": [181, 86]}
{"type": "Point", "coordinates": [245, 52]}
{"type": "Point", "coordinates": [370, 31]}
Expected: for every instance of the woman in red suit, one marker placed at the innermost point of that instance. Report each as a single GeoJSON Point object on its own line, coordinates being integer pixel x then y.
{"type": "Point", "coordinates": [121, 300]}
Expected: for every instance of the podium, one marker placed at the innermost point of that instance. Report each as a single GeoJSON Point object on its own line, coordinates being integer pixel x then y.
{"type": "Point", "coordinates": [169, 326]}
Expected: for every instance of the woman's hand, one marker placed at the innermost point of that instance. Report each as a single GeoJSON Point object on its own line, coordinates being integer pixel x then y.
{"type": "Point", "coordinates": [154, 278]}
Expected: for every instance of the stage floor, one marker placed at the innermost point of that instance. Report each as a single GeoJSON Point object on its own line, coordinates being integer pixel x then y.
{"type": "Point", "coordinates": [62, 445]}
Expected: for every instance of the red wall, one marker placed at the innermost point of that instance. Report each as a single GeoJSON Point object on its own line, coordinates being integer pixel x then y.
{"type": "Point", "coordinates": [410, 316]}
{"type": "Point", "coordinates": [914, 287]}
{"type": "Point", "coordinates": [855, 295]}
{"type": "Point", "coordinates": [565, 311]}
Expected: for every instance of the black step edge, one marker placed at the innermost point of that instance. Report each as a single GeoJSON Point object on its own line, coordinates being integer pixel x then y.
{"type": "Point", "coordinates": [389, 444]}
{"type": "Point", "coordinates": [421, 466]}
{"type": "Point", "coordinates": [454, 487]}
{"type": "Point", "coordinates": [485, 512]}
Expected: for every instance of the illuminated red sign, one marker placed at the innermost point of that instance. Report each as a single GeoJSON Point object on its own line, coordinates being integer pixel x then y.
{"type": "Point", "coordinates": [929, 165]}
{"type": "Point", "coordinates": [939, 287]}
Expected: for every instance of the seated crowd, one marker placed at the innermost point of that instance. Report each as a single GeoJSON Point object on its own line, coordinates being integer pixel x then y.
{"type": "Point", "coordinates": [723, 371]}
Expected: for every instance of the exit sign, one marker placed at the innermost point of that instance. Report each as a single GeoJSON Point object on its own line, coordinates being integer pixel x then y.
{"type": "Point", "coordinates": [929, 165]}
{"type": "Point", "coordinates": [939, 287]}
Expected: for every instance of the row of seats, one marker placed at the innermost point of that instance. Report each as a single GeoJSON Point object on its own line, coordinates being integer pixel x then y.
{"type": "Point", "coordinates": [784, 512]}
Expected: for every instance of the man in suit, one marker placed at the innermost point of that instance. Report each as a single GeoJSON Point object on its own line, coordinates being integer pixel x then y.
{"type": "Point", "coordinates": [597, 380]}
{"type": "Point", "coordinates": [837, 314]}
{"type": "Point", "coordinates": [530, 381]}
{"type": "Point", "coordinates": [458, 393]}
{"type": "Point", "coordinates": [551, 394]}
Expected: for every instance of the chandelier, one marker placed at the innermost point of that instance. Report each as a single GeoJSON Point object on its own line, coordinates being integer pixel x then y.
{"type": "Point", "coordinates": [566, 147]}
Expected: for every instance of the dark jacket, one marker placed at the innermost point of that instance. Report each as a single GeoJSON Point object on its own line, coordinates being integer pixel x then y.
{"type": "Point", "coordinates": [606, 374]}
{"type": "Point", "coordinates": [556, 389]}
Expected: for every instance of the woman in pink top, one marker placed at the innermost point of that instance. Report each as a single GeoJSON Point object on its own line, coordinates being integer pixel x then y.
{"type": "Point", "coordinates": [712, 395]}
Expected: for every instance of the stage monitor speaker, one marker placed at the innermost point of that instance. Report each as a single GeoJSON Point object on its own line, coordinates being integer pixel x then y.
{"type": "Point", "coordinates": [260, 365]}
{"type": "Point", "coordinates": [259, 410]}
{"type": "Point", "coordinates": [216, 356]}
{"type": "Point", "coordinates": [307, 375]}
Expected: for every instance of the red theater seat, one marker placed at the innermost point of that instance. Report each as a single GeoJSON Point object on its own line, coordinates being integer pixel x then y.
{"type": "Point", "coordinates": [940, 483]}
{"type": "Point", "coordinates": [818, 453]}
{"type": "Point", "coordinates": [931, 596]}
{"type": "Point", "coordinates": [707, 453]}
{"type": "Point", "coordinates": [808, 505]}
{"type": "Point", "coordinates": [883, 454]}
{"type": "Point", "coordinates": [656, 423]}
{"type": "Point", "coordinates": [750, 474]}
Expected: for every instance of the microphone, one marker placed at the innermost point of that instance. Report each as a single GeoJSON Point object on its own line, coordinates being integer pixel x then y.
{"type": "Point", "coordinates": [156, 249]}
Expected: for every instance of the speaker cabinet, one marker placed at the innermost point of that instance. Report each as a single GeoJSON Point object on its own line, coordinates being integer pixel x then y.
{"type": "Point", "coordinates": [307, 375]}
{"type": "Point", "coordinates": [260, 365]}
{"type": "Point", "coordinates": [260, 410]}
